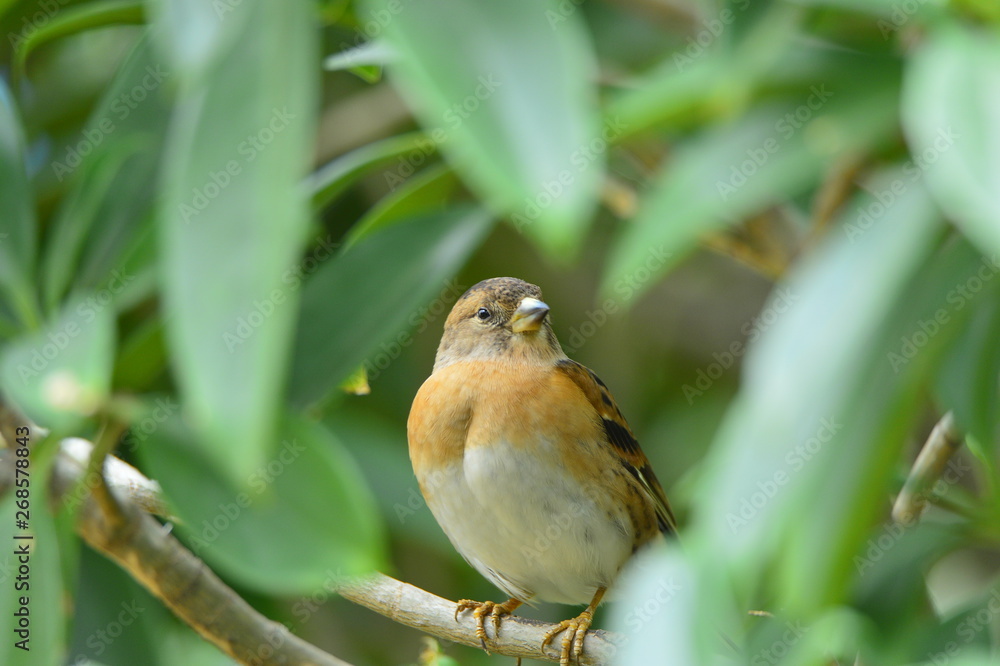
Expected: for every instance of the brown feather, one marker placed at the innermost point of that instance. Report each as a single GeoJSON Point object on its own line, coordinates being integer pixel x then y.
{"type": "Point", "coordinates": [620, 437]}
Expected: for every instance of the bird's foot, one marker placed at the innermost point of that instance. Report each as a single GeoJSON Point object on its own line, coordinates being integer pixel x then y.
{"type": "Point", "coordinates": [572, 641]}
{"type": "Point", "coordinates": [480, 609]}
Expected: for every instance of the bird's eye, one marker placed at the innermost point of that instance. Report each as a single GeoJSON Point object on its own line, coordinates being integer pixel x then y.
{"type": "Point", "coordinates": [483, 314]}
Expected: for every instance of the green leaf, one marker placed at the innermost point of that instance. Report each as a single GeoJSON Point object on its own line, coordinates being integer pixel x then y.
{"type": "Point", "coordinates": [951, 100]}
{"type": "Point", "coordinates": [733, 171]}
{"type": "Point", "coordinates": [232, 221]}
{"type": "Point", "coordinates": [62, 374]}
{"type": "Point", "coordinates": [655, 611]}
{"type": "Point", "coordinates": [301, 518]}
{"type": "Point", "coordinates": [116, 621]}
{"type": "Point", "coordinates": [17, 224]}
{"type": "Point", "coordinates": [354, 303]}
{"type": "Point", "coordinates": [78, 19]}
{"type": "Point", "coordinates": [366, 60]}
{"type": "Point", "coordinates": [38, 578]}
{"type": "Point", "coordinates": [426, 192]}
{"type": "Point", "coordinates": [969, 382]}
{"type": "Point", "coordinates": [884, 8]}
{"type": "Point", "coordinates": [800, 378]}
{"type": "Point", "coordinates": [105, 220]}
{"type": "Point", "coordinates": [506, 89]}
{"type": "Point", "coordinates": [336, 176]}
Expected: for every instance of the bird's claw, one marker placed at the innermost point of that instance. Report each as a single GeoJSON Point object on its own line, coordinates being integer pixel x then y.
{"type": "Point", "coordinates": [572, 642]}
{"type": "Point", "coordinates": [480, 609]}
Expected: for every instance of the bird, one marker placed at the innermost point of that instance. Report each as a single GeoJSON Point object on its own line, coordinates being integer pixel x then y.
{"type": "Point", "coordinates": [527, 464]}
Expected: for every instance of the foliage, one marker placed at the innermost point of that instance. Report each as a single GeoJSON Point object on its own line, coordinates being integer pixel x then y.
{"type": "Point", "coordinates": [205, 235]}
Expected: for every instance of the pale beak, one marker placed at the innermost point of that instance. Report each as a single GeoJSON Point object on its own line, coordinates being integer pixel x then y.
{"type": "Point", "coordinates": [529, 315]}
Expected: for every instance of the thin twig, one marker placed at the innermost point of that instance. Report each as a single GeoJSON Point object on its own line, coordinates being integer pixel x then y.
{"type": "Point", "coordinates": [519, 637]}
{"type": "Point", "coordinates": [942, 443]}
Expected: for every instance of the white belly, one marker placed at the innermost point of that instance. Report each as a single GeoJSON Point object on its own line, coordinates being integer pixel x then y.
{"type": "Point", "coordinates": [528, 527]}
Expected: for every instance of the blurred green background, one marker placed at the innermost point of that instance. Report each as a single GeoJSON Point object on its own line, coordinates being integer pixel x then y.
{"type": "Point", "coordinates": [771, 227]}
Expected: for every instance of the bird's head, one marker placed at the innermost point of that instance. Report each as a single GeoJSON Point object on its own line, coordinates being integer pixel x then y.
{"type": "Point", "coordinates": [499, 318]}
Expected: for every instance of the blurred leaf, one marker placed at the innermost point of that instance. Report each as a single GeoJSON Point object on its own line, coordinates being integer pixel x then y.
{"type": "Point", "coordinates": [389, 473]}
{"type": "Point", "coordinates": [43, 583]}
{"type": "Point", "coordinates": [366, 60]}
{"type": "Point", "coordinates": [890, 586]}
{"type": "Point", "coordinates": [798, 382]}
{"type": "Point", "coordinates": [233, 205]}
{"type": "Point", "coordinates": [105, 220]}
{"type": "Point", "coordinates": [969, 382]}
{"type": "Point", "coordinates": [951, 100]}
{"type": "Point", "coordinates": [965, 635]}
{"type": "Point", "coordinates": [506, 89]}
{"type": "Point", "coordinates": [731, 172]}
{"type": "Point", "coordinates": [859, 462]}
{"type": "Point", "coordinates": [17, 223]}
{"type": "Point", "coordinates": [682, 94]}
{"type": "Point", "coordinates": [301, 517]}
{"type": "Point", "coordinates": [142, 357]}
{"type": "Point", "coordinates": [62, 373]}
{"type": "Point", "coordinates": [357, 382]}
{"type": "Point", "coordinates": [353, 303]}
{"type": "Point", "coordinates": [116, 621]}
{"type": "Point", "coordinates": [428, 191]}
{"type": "Point", "coordinates": [73, 226]}
{"type": "Point", "coordinates": [192, 34]}
{"type": "Point", "coordinates": [339, 174]}
{"type": "Point", "coordinates": [886, 8]}
{"type": "Point", "coordinates": [78, 19]}
{"type": "Point", "coordinates": [653, 611]}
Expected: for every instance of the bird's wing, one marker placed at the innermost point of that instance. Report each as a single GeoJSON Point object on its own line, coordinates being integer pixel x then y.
{"type": "Point", "coordinates": [621, 439]}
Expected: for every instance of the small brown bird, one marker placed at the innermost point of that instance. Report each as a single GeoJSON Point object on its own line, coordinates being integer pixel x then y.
{"type": "Point", "coordinates": [527, 463]}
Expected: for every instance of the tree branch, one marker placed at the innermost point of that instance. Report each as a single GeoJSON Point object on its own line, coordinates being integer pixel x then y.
{"type": "Point", "coordinates": [941, 444]}
{"type": "Point", "coordinates": [185, 584]}
{"type": "Point", "coordinates": [519, 637]}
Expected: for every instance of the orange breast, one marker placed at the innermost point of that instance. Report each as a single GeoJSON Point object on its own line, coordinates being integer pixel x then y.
{"type": "Point", "coordinates": [489, 403]}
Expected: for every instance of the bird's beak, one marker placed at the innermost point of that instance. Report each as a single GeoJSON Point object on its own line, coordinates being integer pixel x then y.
{"type": "Point", "coordinates": [529, 315]}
